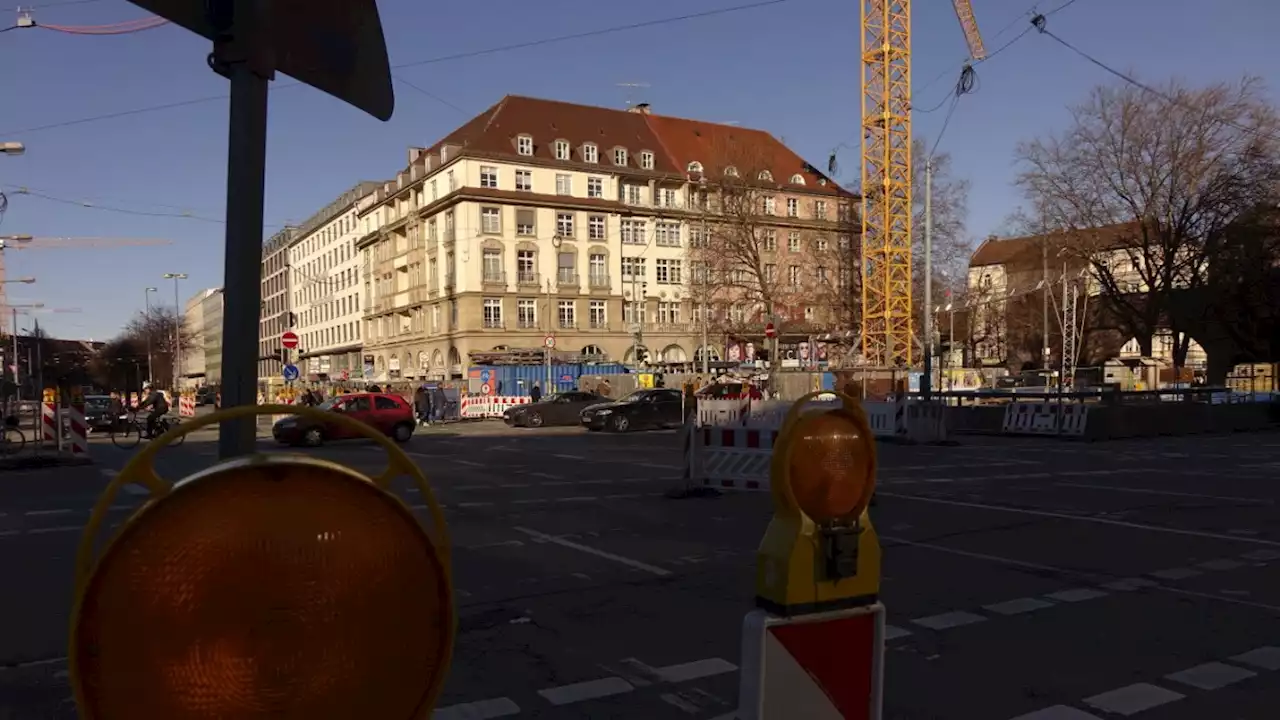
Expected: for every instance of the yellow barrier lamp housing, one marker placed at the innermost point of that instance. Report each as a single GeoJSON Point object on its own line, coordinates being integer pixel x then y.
{"type": "Point", "coordinates": [277, 587]}
{"type": "Point", "coordinates": [820, 551]}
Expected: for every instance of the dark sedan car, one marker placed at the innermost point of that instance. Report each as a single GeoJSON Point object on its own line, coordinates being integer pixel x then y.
{"type": "Point", "coordinates": [95, 412]}
{"type": "Point", "coordinates": [657, 408]}
{"type": "Point", "coordinates": [390, 414]}
{"type": "Point", "coordinates": [558, 409]}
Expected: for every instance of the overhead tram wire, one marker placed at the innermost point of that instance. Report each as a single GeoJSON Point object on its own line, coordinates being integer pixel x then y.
{"type": "Point", "coordinates": [112, 208]}
{"type": "Point", "coordinates": [417, 63]}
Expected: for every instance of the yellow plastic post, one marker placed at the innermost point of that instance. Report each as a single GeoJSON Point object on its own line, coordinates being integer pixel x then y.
{"type": "Point", "coordinates": [820, 551]}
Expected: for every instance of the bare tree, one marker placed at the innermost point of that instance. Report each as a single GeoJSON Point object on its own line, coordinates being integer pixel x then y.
{"type": "Point", "coordinates": [158, 330]}
{"type": "Point", "coordinates": [1243, 293]}
{"type": "Point", "coordinates": [1146, 182]}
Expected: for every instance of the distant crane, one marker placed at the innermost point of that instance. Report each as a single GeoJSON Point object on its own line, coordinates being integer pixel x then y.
{"type": "Point", "coordinates": [27, 242]}
{"type": "Point", "coordinates": [887, 202]}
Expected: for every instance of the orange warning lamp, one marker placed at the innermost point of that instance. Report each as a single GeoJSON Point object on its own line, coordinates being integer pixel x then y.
{"type": "Point", "coordinates": [820, 550]}
{"type": "Point", "coordinates": [271, 586]}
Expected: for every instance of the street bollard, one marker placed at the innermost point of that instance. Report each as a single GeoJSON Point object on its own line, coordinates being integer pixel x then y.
{"type": "Point", "coordinates": [814, 647]}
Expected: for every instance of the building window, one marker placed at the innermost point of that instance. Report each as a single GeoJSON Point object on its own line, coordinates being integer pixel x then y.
{"type": "Point", "coordinates": [667, 234]}
{"type": "Point", "coordinates": [596, 227]}
{"type": "Point", "coordinates": [488, 176]}
{"type": "Point", "coordinates": [646, 160]}
{"type": "Point", "coordinates": [770, 273]}
{"type": "Point", "coordinates": [567, 268]}
{"type": "Point", "coordinates": [667, 198]}
{"type": "Point", "coordinates": [595, 187]}
{"type": "Point", "coordinates": [765, 176]}
{"type": "Point", "coordinates": [731, 171]}
{"type": "Point", "coordinates": [793, 275]}
{"type": "Point", "coordinates": [633, 312]}
{"type": "Point", "coordinates": [490, 220]}
{"type": "Point", "coordinates": [564, 184]}
{"type": "Point", "coordinates": [524, 180]}
{"type": "Point", "coordinates": [564, 225]}
{"type": "Point", "coordinates": [769, 206]}
{"type": "Point", "coordinates": [492, 265]}
{"type": "Point", "coordinates": [526, 267]}
{"type": "Point", "coordinates": [633, 195]}
{"type": "Point", "coordinates": [453, 181]}
{"type": "Point", "coordinates": [527, 314]}
{"type": "Point", "coordinates": [596, 315]}
{"type": "Point", "coordinates": [620, 156]}
{"type": "Point", "coordinates": [698, 237]}
{"type": "Point", "coordinates": [526, 222]}
{"type": "Point", "coordinates": [492, 313]}
{"type": "Point", "coordinates": [524, 145]}
{"type": "Point", "coordinates": [793, 207]}
{"type": "Point", "coordinates": [821, 244]}
{"type": "Point", "coordinates": [822, 275]}
{"type": "Point", "coordinates": [770, 240]}
{"type": "Point", "coordinates": [562, 150]}
{"type": "Point", "coordinates": [590, 153]}
{"type": "Point", "coordinates": [598, 269]}
{"type": "Point", "coordinates": [633, 268]}
{"type": "Point", "coordinates": [797, 179]}
{"type": "Point", "coordinates": [667, 271]}
{"type": "Point", "coordinates": [669, 313]}
{"type": "Point", "coordinates": [820, 209]}
{"type": "Point", "coordinates": [793, 241]}
{"type": "Point", "coordinates": [633, 232]}
{"type": "Point", "coordinates": [565, 313]}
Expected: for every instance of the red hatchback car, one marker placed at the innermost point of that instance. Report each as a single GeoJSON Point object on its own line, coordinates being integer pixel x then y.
{"type": "Point", "coordinates": [391, 415]}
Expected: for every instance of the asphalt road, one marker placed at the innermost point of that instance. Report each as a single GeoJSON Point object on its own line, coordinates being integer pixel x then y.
{"type": "Point", "coordinates": [1023, 578]}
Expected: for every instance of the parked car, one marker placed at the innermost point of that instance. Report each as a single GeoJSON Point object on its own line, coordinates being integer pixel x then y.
{"type": "Point", "coordinates": [95, 412]}
{"type": "Point", "coordinates": [391, 415]}
{"type": "Point", "coordinates": [558, 409]}
{"type": "Point", "coordinates": [661, 407]}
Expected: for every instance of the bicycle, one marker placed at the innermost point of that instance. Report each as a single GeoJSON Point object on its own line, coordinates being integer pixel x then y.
{"type": "Point", "coordinates": [128, 431]}
{"type": "Point", "coordinates": [12, 440]}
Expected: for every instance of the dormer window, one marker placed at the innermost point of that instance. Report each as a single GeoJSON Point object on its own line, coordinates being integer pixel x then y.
{"type": "Point", "coordinates": [694, 167]}
{"type": "Point", "coordinates": [590, 153]}
{"type": "Point", "coordinates": [562, 149]}
{"type": "Point", "coordinates": [797, 179]}
{"type": "Point", "coordinates": [731, 171]}
{"type": "Point", "coordinates": [620, 157]}
{"type": "Point", "coordinates": [646, 159]}
{"type": "Point", "coordinates": [524, 145]}
{"type": "Point", "coordinates": [765, 176]}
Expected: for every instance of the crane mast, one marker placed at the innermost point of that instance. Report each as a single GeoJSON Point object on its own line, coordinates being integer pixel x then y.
{"type": "Point", "coordinates": [887, 198]}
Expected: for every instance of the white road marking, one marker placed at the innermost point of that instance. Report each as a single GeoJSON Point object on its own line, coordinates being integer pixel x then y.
{"type": "Point", "coordinates": [59, 529]}
{"type": "Point", "coordinates": [1211, 675]}
{"type": "Point", "coordinates": [1127, 584]}
{"type": "Point", "coordinates": [1223, 564]}
{"type": "Point", "coordinates": [567, 457]}
{"type": "Point", "coordinates": [593, 551]}
{"type": "Point", "coordinates": [1058, 712]}
{"type": "Point", "coordinates": [590, 690]}
{"type": "Point", "coordinates": [679, 702]}
{"type": "Point", "coordinates": [136, 489]}
{"type": "Point", "coordinates": [695, 670]}
{"type": "Point", "coordinates": [949, 620]}
{"type": "Point", "coordinates": [34, 663]}
{"type": "Point", "coordinates": [1176, 574]}
{"type": "Point", "coordinates": [1076, 595]}
{"type": "Point", "coordinates": [1262, 555]}
{"type": "Point", "coordinates": [39, 513]}
{"type": "Point", "coordinates": [1144, 491]}
{"type": "Point", "coordinates": [893, 632]}
{"type": "Point", "coordinates": [1017, 607]}
{"type": "Point", "coordinates": [1085, 518]}
{"type": "Point", "coordinates": [469, 463]}
{"type": "Point", "coordinates": [479, 710]}
{"type": "Point", "coordinates": [1133, 699]}
{"type": "Point", "coordinates": [1267, 658]}
{"type": "Point", "coordinates": [474, 504]}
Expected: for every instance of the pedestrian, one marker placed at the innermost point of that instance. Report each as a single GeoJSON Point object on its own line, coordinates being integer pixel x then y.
{"type": "Point", "coordinates": [439, 402]}
{"type": "Point", "coordinates": [602, 387]}
{"type": "Point", "coordinates": [535, 393]}
{"type": "Point", "coordinates": [422, 403]}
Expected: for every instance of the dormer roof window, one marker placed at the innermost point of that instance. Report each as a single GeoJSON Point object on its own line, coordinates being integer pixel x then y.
{"type": "Point", "coordinates": [765, 176]}
{"type": "Point", "coordinates": [731, 171]}
{"type": "Point", "coordinates": [797, 179]}
{"type": "Point", "coordinates": [646, 159]}
{"type": "Point", "coordinates": [562, 150]}
{"type": "Point", "coordinates": [620, 157]}
{"type": "Point", "coordinates": [590, 153]}
{"type": "Point", "coordinates": [694, 167]}
{"type": "Point", "coordinates": [524, 145]}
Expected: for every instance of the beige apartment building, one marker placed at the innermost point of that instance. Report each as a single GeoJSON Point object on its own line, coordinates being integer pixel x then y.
{"type": "Point", "coordinates": [541, 219]}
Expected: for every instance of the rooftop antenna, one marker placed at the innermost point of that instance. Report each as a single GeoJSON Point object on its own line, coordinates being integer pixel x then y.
{"type": "Point", "coordinates": [631, 88]}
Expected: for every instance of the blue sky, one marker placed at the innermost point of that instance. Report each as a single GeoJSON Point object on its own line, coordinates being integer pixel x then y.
{"type": "Point", "coordinates": [790, 68]}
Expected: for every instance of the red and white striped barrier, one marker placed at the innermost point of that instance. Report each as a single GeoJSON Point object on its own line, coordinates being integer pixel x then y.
{"type": "Point", "coordinates": [78, 438]}
{"type": "Point", "coordinates": [49, 423]}
{"type": "Point", "coordinates": [824, 665]}
{"type": "Point", "coordinates": [186, 405]}
{"type": "Point", "coordinates": [734, 458]}
{"type": "Point", "coordinates": [490, 406]}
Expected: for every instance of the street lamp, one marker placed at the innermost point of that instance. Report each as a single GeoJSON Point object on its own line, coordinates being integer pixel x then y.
{"type": "Point", "coordinates": [177, 327]}
{"type": "Point", "coordinates": [148, 327]}
{"type": "Point", "coordinates": [12, 147]}
{"type": "Point", "coordinates": [17, 387]}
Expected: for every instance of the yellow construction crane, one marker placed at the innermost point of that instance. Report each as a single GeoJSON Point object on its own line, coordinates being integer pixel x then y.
{"type": "Point", "coordinates": [27, 242]}
{"type": "Point", "coordinates": [886, 175]}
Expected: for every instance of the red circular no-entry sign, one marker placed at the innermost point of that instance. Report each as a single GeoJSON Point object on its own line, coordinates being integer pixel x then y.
{"type": "Point", "coordinates": [289, 339]}
{"type": "Point", "coordinates": [770, 331]}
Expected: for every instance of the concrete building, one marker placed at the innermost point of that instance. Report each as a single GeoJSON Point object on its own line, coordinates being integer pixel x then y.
{"type": "Point", "coordinates": [211, 339]}
{"type": "Point", "coordinates": [325, 282]}
{"type": "Point", "coordinates": [540, 218]}
{"type": "Point", "coordinates": [194, 358]}
{"type": "Point", "coordinates": [276, 314]}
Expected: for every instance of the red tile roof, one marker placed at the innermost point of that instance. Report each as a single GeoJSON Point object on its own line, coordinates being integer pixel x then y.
{"type": "Point", "coordinates": [1028, 251]}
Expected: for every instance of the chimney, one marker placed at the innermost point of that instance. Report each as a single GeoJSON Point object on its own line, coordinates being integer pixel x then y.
{"type": "Point", "coordinates": [640, 108]}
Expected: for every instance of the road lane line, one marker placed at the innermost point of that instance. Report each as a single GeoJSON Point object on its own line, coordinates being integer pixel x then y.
{"type": "Point", "coordinates": [1084, 518]}
{"type": "Point", "coordinates": [590, 690]}
{"type": "Point", "coordinates": [567, 457]}
{"type": "Point", "coordinates": [695, 670]}
{"type": "Point", "coordinates": [61, 528]}
{"type": "Point", "coordinates": [479, 710]}
{"type": "Point", "coordinates": [654, 570]}
{"type": "Point", "coordinates": [1170, 493]}
{"type": "Point", "coordinates": [40, 513]}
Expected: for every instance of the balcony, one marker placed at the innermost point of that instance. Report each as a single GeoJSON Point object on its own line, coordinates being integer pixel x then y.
{"type": "Point", "coordinates": [527, 278]}
{"type": "Point", "coordinates": [598, 281]}
{"type": "Point", "coordinates": [494, 278]}
{"type": "Point", "coordinates": [567, 277]}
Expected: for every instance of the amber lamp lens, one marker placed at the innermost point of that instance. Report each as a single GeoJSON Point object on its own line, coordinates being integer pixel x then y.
{"type": "Point", "coordinates": [280, 591]}
{"type": "Point", "coordinates": [831, 467]}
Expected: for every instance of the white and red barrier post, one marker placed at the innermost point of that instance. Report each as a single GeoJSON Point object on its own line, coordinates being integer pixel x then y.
{"type": "Point", "coordinates": [814, 647]}
{"type": "Point", "coordinates": [78, 439]}
{"type": "Point", "coordinates": [187, 404]}
{"type": "Point", "coordinates": [50, 430]}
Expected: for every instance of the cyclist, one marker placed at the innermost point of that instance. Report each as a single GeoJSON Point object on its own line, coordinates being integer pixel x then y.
{"type": "Point", "coordinates": [155, 400]}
